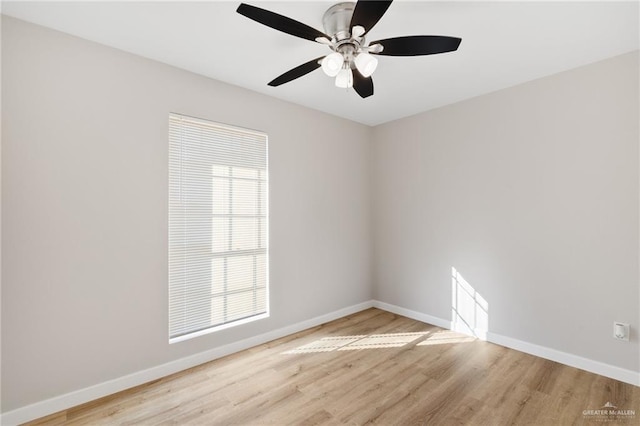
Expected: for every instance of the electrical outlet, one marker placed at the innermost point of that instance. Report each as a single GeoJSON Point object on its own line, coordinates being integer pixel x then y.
{"type": "Point", "coordinates": [621, 331]}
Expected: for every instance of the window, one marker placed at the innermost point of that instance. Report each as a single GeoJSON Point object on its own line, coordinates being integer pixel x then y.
{"type": "Point", "coordinates": [218, 226]}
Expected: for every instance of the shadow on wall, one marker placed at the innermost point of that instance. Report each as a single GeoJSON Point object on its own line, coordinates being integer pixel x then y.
{"type": "Point", "coordinates": [469, 310]}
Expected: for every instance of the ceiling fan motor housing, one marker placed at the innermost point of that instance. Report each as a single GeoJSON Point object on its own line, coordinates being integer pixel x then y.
{"type": "Point", "coordinates": [336, 20]}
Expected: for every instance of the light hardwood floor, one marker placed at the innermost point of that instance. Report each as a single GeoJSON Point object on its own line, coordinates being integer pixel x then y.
{"type": "Point", "coordinates": [370, 367]}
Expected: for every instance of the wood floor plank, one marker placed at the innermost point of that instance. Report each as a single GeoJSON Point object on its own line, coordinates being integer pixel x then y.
{"type": "Point", "coordinates": [373, 367]}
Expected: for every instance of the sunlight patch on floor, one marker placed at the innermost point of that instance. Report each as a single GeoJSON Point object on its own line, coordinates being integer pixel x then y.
{"type": "Point", "coordinates": [351, 343]}
{"type": "Point", "coordinates": [381, 341]}
{"type": "Point", "coordinates": [391, 340]}
{"type": "Point", "coordinates": [326, 344]}
{"type": "Point", "coordinates": [446, 337]}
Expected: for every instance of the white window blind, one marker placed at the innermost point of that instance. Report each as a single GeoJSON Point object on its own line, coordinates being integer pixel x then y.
{"type": "Point", "coordinates": [218, 226]}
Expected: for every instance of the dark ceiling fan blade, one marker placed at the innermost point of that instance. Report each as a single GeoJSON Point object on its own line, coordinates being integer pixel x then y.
{"type": "Point", "coordinates": [296, 72]}
{"type": "Point", "coordinates": [367, 13]}
{"type": "Point", "coordinates": [417, 45]}
{"type": "Point", "coordinates": [280, 23]}
{"type": "Point", "coordinates": [362, 85]}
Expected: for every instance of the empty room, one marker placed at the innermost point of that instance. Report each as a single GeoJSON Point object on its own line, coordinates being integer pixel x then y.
{"type": "Point", "coordinates": [320, 212]}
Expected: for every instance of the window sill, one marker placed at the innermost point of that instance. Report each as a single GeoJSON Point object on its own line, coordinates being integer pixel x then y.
{"type": "Point", "coordinates": [218, 328]}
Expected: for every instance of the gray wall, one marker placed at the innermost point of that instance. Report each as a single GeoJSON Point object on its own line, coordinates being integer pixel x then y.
{"type": "Point", "coordinates": [84, 175]}
{"type": "Point", "coordinates": [531, 194]}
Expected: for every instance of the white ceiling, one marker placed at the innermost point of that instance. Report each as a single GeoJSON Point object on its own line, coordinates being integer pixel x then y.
{"type": "Point", "coordinates": [503, 44]}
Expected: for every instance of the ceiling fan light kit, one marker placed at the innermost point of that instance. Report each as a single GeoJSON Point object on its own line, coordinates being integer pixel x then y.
{"type": "Point", "coordinates": [346, 24]}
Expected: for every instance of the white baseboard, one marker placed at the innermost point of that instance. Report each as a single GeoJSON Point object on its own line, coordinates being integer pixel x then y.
{"type": "Point", "coordinates": [597, 367]}
{"type": "Point", "coordinates": [72, 399]}
{"type": "Point", "coordinates": [419, 316]}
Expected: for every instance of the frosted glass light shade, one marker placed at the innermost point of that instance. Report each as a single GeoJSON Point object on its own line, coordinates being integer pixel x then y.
{"type": "Point", "coordinates": [344, 79]}
{"type": "Point", "coordinates": [366, 64]}
{"type": "Point", "coordinates": [332, 63]}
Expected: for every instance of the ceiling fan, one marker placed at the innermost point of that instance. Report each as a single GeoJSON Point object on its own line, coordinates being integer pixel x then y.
{"type": "Point", "coordinates": [352, 61]}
